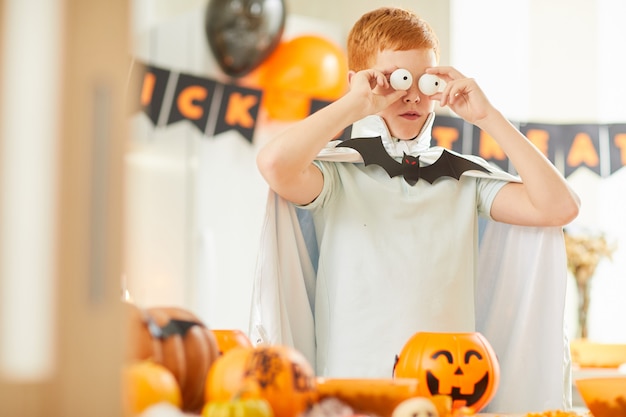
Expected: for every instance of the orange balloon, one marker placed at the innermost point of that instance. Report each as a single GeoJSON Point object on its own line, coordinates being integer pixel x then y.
{"type": "Point", "coordinates": [303, 68]}
{"type": "Point", "coordinates": [253, 79]}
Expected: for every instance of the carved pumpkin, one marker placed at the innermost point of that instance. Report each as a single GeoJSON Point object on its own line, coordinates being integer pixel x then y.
{"type": "Point", "coordinates": [461, 365]}
{"type": "Point", "coordinates": [229, 338]}
{"type": "Point", "coordinates": [177, 339]}
{"type": "Point", "coordinates": [279, 374]}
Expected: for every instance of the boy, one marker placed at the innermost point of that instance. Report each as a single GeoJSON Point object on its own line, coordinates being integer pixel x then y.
{"type": "Point", "coordinates": [395, 257]}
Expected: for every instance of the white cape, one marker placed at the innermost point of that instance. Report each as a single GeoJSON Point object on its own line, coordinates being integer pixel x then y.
{"type": "Point", "coordinates": [520, 301]}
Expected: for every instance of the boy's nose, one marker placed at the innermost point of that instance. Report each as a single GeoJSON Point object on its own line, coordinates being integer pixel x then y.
{"type": "Point", "coordinates": [413, 96]}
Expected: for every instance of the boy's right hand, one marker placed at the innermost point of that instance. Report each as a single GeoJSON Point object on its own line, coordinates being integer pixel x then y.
{"type": "Point", "coordinates": [372, 91]}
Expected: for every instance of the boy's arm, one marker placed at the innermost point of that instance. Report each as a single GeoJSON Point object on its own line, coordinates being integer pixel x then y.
{"type": "Point", "coordinates": [544, 197]}
{"type": "Point", "coordinates": [286, 162]}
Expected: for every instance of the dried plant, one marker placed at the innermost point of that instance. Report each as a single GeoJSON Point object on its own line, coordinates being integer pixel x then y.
{"type": "Point", "coordinates": [584, 253]}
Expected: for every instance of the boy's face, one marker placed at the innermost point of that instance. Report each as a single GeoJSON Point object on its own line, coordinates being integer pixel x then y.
{"type": "Point", "coordinates": [406, 117]}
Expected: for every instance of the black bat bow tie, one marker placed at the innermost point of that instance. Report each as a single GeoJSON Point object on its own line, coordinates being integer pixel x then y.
{"type": "Point", "coordinates": [447, 165]}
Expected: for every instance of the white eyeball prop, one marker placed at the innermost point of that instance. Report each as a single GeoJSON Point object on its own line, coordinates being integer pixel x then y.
{"type": "Point", "coordinates": [429, 84]}
{"type": "Point", "coordinates": [401, 79]}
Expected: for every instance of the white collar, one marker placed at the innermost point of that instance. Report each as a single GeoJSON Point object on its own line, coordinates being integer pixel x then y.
{"type": "Point", "coordinates": [372, 126]}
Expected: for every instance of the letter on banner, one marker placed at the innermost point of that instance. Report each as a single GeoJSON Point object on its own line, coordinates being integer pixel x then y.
{"type": "Point", "coordinates": [448, 133]}
{"type": "Point", "coordinates": [583, 151]}
{"type": "Point", "coordinates": [192, 100]}
{"type": "Point", "coordinates": [151, 82]}
{"type": "Point", "coordinates": [617, 146]}
{"type": "Point", "coordinates": [239, 109]}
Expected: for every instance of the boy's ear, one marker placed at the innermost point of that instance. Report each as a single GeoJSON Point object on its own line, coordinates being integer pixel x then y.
{"type": "Point", "coordinates": [350, 75]}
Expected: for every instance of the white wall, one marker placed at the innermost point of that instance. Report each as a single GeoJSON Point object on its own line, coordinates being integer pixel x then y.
{"type": "Point", "coordinates": [557, 62]}
{"type": "Point", "coordinates": [193, 237]}
{"type": "Point", "coordinates": [195, 204]}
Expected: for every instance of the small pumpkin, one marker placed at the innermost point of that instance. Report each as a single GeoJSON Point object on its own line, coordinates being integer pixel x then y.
{"type": "Point", "coordinates": [177, 339]}
{"type": "Point", "coordinates": [250, 407]}
{"type": "Point", "coordinates": [279, 374]}
{"type": "Point", "coordinates": [226, 376]}
{"type": "Point", "coordinates": [229, 338]}
{"type": "Point", "coordinates": [146, 383]}
{"type": "Point", "coordinates": [460, 365]}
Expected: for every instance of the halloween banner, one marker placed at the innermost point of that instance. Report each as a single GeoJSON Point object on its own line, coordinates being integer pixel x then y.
{"type": "Point", "coordinates": [167, 97]}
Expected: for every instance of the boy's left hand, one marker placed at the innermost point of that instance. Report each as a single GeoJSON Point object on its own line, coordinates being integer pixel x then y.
{"type": "Point", "coordinates": [461, 94]}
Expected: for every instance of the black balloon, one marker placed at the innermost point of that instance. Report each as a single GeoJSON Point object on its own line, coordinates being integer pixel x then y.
{"type": "Point", "coordinates": [243, 33]}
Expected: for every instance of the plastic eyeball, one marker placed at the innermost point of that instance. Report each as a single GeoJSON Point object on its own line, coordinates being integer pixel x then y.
{"type": "Point", "coordinates": [429, 84]}
{"type": "Point", "coordinates": [401, 79]}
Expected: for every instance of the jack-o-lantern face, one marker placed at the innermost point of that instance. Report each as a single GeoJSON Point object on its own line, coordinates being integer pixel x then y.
{"type": "Point", "coordinates": [460, 365]}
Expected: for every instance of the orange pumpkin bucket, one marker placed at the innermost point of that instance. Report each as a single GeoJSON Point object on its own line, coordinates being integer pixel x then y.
{"type": "Point", "coordinates": [463, 366]}
{"type": "Point", "coordinates": [230, 338]}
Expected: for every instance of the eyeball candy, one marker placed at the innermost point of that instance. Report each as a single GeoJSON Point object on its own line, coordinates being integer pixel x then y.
{"type": "Point", "coordinates": [401, 79]}
{"type": "Point", "coordinates": [429, 84]}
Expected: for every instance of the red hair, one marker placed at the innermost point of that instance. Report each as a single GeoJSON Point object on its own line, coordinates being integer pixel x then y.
{"type": "Point", "coordinates": [388, 28]}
